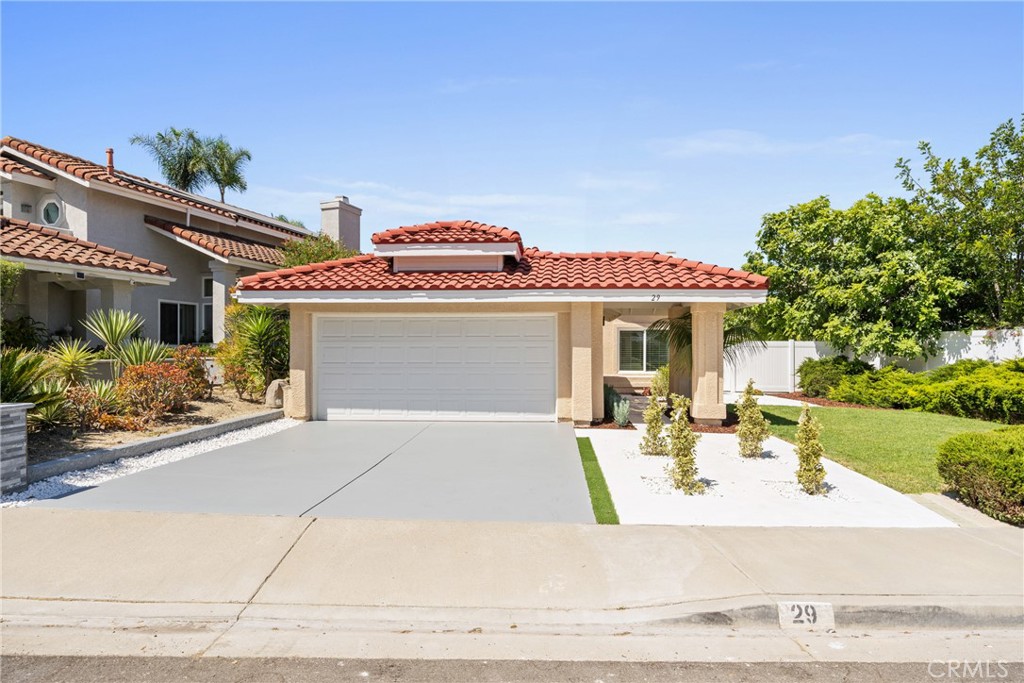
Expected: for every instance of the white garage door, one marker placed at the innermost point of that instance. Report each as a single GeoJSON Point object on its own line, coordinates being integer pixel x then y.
{"type": "Point", "coordinates": [435, 368]}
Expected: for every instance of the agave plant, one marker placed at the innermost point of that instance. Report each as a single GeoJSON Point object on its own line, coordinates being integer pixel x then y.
{"type": "Point", "coordinates": [51, 413]}
{"type": "Point", "coordinates": [72, 360]}
{"type": "Point", "coordinates": [113, 327]}
{"type": "Point", "coordinates": [105, 392]}
{"type": "Point", "coordinates": [139, 351]}
{"type": "Point", "coordinates": [22, 375]}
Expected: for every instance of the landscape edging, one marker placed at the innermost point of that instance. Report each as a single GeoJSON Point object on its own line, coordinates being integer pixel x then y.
{"type": "Point", "coordinates": [101, 456]}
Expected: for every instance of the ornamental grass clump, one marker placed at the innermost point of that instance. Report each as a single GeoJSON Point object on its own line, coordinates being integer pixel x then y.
{"type": "Point", "coordinates": [809, 452]}
{"type": "Point", "coordinates": [654, 442]}
{"type": "Point", "coordinates": [682, 446]}
{"type": "Point", "coordinates": [753, 427]}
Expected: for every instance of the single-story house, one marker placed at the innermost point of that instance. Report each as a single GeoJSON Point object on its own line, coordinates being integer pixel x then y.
{"type": "Point", "coordinates": [457, 320]}
{"type": "Point", "coordinates": [205, 244]}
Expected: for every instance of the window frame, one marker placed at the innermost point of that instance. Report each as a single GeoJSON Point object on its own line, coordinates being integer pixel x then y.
{"type": "Point", "coordinates": [160, 320]}
{"type": "Point", "coordinates": [643, 362]}
{"type": "Point", "coordinates": [202, 287]}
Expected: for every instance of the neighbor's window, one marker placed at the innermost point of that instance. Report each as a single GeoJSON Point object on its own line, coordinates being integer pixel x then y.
{"type": "Point", "coordinates": [207, 287]}
{"type": "Point", "coordinates": [177, 322]}
{"type": "Point", "coordinates": [642, 351]}
{"type": "Point", "coordinates": [51, 213]}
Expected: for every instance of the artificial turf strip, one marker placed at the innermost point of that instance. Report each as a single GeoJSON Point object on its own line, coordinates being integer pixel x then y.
{"type": "Point", "coordinates": [894, 447]}
{"type": "Point", "coordinates": [600, 499]}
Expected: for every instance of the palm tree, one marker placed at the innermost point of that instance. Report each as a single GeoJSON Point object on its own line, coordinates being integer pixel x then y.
{"type": "Point", "coordinates": [225, 165]}
{"type": "Point", "coordinates": [679, 331]}
{"type": "Point", "coordinates": [181, 155]}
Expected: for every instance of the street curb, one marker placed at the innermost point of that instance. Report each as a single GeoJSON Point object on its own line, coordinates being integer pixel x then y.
{"type": "Point", "coordinates": [81, 461]}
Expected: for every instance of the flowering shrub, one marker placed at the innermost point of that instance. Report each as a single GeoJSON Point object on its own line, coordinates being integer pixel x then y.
{"type": "Point", "coordinates": [127, 423]}
{"type": "Point", "coordinates": [83, 405]}
{"type": "Point", "coordinates": [190, 359]}
{"type": "Point", "coordinates": [152, 389]}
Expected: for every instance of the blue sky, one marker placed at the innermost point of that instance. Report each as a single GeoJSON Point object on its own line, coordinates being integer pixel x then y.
{"type": "Point", "coordinates": [668, 126]}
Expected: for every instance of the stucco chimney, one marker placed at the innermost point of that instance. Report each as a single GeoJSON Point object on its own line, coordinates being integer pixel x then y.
{"type": "Point", "coordinates": [340, 220]}
{"type": "Point", "coordinates": [110, 160]}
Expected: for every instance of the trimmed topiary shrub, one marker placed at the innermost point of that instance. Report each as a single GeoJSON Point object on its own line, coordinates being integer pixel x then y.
{"type": "Point", "coordinates": [986, 470]}
{"type": "Point", "coordinates": [809, 451]}
{"type": "Point", "coordinates": [660, 382]}
{"type": "Point", "coordinates": [654, 442]}
{"type": "Point", "coordinates": [682, 446]}
{"type": "Point", "coordinates": [818, 376]}
{"type": "Point", "coordinates": [753, 427]}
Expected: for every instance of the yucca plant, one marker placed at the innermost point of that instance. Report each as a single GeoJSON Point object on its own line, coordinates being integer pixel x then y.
{"type": "Point", "coordinates": [139, 351]}
{"type": "Point", "coordinates": [105, 392]}
{"type": "Point", "coordinates": [22, 375]}
{"type": "Point", "coordinates": [112, 326]}
{"type": "Point", "coordinates": [50, 414]}
{"type": "Point", "coordinates": [71, 360]}
{"type": "Point", "coordinates": [264, 333]}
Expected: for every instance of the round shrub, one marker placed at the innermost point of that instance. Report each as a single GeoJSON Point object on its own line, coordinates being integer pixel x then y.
{"type": "Point", "coordinates": [152, 389]}
{"type": "Point", "coordinates": [818, 376]}
{"type": "Point", "coordinates": [986, 470]}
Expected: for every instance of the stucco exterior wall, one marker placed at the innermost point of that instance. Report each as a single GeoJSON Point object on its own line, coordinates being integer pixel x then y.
{"type": "Point", "coordinates": [575, 393]}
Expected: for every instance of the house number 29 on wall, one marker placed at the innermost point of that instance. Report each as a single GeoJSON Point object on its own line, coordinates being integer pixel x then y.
{"type": "Point", "coordinates": [656, 297]}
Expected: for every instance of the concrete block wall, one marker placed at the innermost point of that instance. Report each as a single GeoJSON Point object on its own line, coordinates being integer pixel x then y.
{"type": "Point", "coordinates": [13, 446]}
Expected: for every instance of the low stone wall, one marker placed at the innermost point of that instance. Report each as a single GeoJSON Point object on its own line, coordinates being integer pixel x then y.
{"type": "Point", "coordinates": [13, 444]}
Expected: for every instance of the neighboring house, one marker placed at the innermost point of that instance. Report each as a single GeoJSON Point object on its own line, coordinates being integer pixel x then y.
{"type": "Point", "coordinates": [456, 320]}
{"type": "Point", "coordinates": [204, 244]}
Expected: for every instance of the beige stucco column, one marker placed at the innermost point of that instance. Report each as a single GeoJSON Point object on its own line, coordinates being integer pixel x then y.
{"type": "Point", "coordinates": [581, 332]}
{"type": "Point", "coordinates": [224, 277]}
{"type": "Point", "coordinates": [116, 294]}
{"type": "Point", "coordinates": [597, 360]}
{"type": "Point", "coordinates": [678, 379]}
{"type": "Point", "coordinates": [297, 395]}
{"type": "Point", "coordinates": [708, 363]}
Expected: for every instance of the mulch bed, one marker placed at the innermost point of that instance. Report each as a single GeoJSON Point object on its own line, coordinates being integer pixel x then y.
{"type": "Point", "coordinates": [607, 424]}
{"type": "Point", "coordinates": [796, 396]}
{"type": "Point", "coordinates": [728, 427]}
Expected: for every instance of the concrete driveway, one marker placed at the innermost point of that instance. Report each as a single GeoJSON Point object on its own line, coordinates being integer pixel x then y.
{"type": "Point", "coordinates": [384, 470]}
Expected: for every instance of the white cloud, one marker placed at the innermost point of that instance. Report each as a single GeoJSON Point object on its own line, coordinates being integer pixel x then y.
{"type": "Point", "coordinates": [736, 142]}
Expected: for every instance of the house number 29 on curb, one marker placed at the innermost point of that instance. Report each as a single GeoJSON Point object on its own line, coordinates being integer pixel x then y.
{"type": "Point", "coordinates": [810, 615]}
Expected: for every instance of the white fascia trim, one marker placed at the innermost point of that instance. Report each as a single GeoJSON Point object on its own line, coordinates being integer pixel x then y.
{"type": "Point", "coordinates": [29, 180]}
{"type": "Point", "coordinates": [105, 273]}
{"type": "Point", "coordinates": [448, 249]}
{"type": "Point", "coordinates": [254, 265]}
{"type": "Point", "coordinates": [29, 159]}
{"type": "Point", "coordinates": [664, 296]}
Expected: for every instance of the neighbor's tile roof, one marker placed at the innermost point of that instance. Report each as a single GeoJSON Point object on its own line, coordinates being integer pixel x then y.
{"type": "Point", "coordinates": [536, 270]}
{"type": "Point", "coordinates": [449, 232]}
{"type": "Point", "coordinates": [15, 166]}
{"type": "Point", "coordinates": [28, 240]}
{"type": "Point", "coordinates": [227, 246]}
{"type": "Point", "coordinates": [88, 170]}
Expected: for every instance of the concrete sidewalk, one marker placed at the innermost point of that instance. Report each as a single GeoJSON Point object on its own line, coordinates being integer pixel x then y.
{"type": "Point", "coordinates": [83, 582]}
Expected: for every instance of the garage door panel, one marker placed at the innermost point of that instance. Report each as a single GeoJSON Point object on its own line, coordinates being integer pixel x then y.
{"type": "Point", "coordinates": [437, 368]}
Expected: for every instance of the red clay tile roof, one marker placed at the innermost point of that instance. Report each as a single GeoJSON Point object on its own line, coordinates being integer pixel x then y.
{"type": "Point", "coordinates": [537, 270]}
{"type": "Point", "coordinates": [15, 166]}
{"type": "Point", "coordinates": [449, 232]}
{"type": "Point", "coordinates": [28, 240]}
{"type": "Point", "coordinates": [87, 170]}
{"type": "Point", "coordinates": [227, 246]}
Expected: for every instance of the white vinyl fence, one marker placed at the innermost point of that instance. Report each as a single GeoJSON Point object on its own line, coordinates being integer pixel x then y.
{"type": "Point", "coordinates": [774, 366]}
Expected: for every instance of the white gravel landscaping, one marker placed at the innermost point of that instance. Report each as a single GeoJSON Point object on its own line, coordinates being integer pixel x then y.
{"type": "Point", "coordinates": [66, 483]}
{"type": "Point", "coordinates": [745, 492]}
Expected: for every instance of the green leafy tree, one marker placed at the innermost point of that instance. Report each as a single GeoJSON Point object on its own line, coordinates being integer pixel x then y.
{"type": "Point", "coordinates": [753, 427]}
{"type": "Point", "coordinates": [225, 165]}
{"type": "Point", "coordinates": [974, 209]}
{"type": "Point", "coordinates": [654, 442]}
{"type": "Point", "coordinates": [865, 278]}
{"type": "Point", "coordinates": [313, 249]}
{"type": "Point", "coordinates": [809, 452]}
{"type": "Point", "coordinates": [682, 446]}
{"type": "Point", "coordinates": [181, 155]}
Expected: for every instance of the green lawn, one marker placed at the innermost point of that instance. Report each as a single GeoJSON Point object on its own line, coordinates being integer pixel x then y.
{"type": "Point", "coordinates": [894, 447]}
{"type": "Point", "coordinates": [600, 499]}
